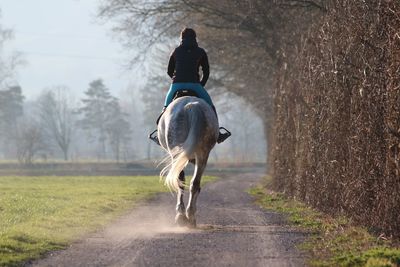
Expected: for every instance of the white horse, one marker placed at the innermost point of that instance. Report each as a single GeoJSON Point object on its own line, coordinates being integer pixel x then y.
{"type": "Point", "coordinates": [187, 130]}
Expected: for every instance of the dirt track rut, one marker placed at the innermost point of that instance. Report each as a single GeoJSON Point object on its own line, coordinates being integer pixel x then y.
{"type": "Point", "coordinates": [232, 231]}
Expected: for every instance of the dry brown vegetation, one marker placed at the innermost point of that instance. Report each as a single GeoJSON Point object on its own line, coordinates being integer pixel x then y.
{"type": "Point", "coordinates": [337, 115]}
{"type": "Point", "coordinates": [323, 74]}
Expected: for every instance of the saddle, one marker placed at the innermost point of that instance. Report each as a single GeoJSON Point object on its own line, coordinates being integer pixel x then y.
{"type": "Point", "coordinates": [184, 92]}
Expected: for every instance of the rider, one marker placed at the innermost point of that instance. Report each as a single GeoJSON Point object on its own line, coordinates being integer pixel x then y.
{"type": "Point", "coordinates": [183, 68]}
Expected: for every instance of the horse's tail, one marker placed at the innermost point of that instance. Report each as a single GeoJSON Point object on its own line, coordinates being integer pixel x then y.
{"type": "Point", "coordinates": [181, 155]}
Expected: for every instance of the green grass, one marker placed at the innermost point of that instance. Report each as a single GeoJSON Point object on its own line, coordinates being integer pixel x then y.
{"type": "Point", "coordinates": [41, 214]}
{"type": "Point", "coordinates": [334, 241]}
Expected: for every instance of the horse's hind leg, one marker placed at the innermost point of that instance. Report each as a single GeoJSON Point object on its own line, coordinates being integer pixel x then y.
{"type": "Point", "coordinates": [195, 191]}
{"type": "Point", "coordinates": [180, 217]}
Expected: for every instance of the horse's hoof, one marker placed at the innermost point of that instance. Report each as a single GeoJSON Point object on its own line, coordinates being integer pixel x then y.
{"type": "Point", "coordinates": [181, 220]}
{"type": "Point", "coordinates": [191, 222]}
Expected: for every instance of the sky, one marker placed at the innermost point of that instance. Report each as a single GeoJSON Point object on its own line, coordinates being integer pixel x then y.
{"type": "Point", "coordinates": [63, 44]}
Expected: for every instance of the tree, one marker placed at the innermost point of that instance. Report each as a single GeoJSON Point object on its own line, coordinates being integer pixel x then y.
{"type": "Point", "coordinates": [246, 68]}
{"type": "Point", "coordinates": [118, 129]}
{"type": "Point", "coordinates": [96, 113]}
{"type": "Point", "coordinates": [55, 113]}
{"type": "Point", "coordinates": [11, 109]}
{"type": "Point", "coordinates": [29, 141]}
{"type": "Point", "coordinates": [8, 63]}
{"type": "Point", "coordinates": [10, 96]}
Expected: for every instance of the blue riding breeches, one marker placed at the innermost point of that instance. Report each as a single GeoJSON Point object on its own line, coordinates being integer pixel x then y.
{"type": "Point", "coordinates": [195, 87]}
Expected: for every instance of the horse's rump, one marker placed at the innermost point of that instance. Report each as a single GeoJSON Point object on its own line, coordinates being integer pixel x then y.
{"type": "Point", "coordinates": [188, 130]}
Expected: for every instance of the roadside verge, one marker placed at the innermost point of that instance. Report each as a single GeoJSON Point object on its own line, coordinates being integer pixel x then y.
{"type": "Point", "coordinates": [335, 241]}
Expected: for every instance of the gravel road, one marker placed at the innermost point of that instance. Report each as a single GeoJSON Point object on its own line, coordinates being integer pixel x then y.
{"type": "Point", "coordinates": [232, 231]}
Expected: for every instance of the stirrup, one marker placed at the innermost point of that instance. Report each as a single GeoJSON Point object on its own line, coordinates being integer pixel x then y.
{"type": "Point", "coordinates": [223, 136]}
{"type": "Point", "coordinates": [153, 137]}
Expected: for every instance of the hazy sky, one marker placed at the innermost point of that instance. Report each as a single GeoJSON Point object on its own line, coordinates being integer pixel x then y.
{"type": "Point", "coordinates": [63, 45]}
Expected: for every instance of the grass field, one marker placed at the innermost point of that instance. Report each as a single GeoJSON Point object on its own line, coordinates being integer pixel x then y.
{"type": "Point", "coordinates": [41, 214]}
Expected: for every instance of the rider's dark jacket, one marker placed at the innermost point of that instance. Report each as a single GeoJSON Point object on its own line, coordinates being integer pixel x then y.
{"type": "Point", "coordinates": [184, 63]}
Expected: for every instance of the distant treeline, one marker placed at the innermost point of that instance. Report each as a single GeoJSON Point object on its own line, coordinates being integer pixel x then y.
{"type": "Point", "coordinates": [100, 126]}
{"type": "Point", "coordinates": [52, 124]}
{"type": "Point", "coordinates": [337, 114]}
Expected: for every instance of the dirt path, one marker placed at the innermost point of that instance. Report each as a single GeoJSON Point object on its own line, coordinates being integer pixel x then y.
{"type": "Point", "coordinates": [232, 232]}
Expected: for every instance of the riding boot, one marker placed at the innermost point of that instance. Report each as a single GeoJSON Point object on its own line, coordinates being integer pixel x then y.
{"type": "Point", "coordinates": [222, 136]}
{"type": "Point", "coordinates": [159, 117]}
{"type": "Point", "coordinates": [153, 136]}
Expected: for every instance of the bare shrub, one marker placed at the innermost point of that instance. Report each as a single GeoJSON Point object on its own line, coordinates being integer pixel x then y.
{"type": "Point", "coordinates": [337, 114]}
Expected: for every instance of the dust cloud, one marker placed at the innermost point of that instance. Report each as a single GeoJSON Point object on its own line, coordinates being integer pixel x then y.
{"type": "Point", "coordinates": [144, 224]}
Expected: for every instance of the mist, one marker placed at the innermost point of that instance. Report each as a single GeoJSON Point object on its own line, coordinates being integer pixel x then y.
{"type": "Point", "coordinates": [48, 70]}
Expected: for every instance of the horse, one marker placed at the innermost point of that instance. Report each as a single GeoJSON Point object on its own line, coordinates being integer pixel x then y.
{"type": "Point", "coordinates": [187, 130]}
